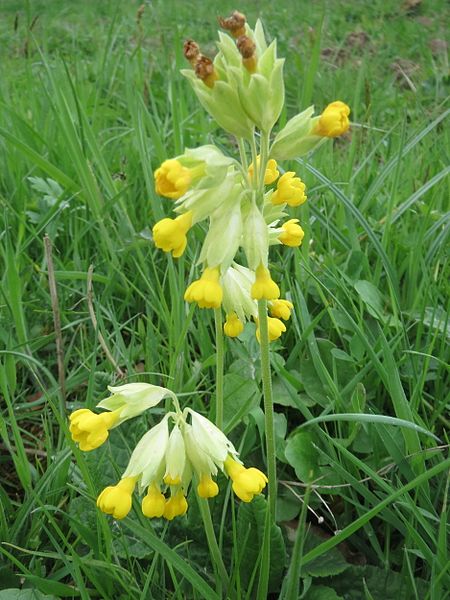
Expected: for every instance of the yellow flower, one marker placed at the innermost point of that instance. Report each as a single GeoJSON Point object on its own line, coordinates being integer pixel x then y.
{"type": "Point", "coordinates": [264, 286]}
{"type": "Point", "coordinates": [172, 180]}
{"type": "Point", "coordinates": [116, 500]}
{"type": "Point", "coordinates": [281, 309]}
{"type": "Point", "coordinates": [247, 483]}
{"type": "Point", "coordinates": [207, 488]}
{"type": "Point", "coordinates": [176, 506]}
{"type": "Point", "coordinates": [276, 328]}
{"type": "Point", "coordinates": [333, 121]}
{"type": "Point", "coordinates": [271, 173]}
{"type": "Point", "coordinates": [290, 190]}
{"type": "Point", "coordinates": [170, 234]}
{"type": "Point", "coordinates": [233, 325]}
{"type": "Point", "coordinates": [154, 503]}
{"type": "Point", "coordinates": [206, 291]}
{"type": "Point", "coordinates": [292, 234]}
{"type": "Point", "coordinates": [90, 430]}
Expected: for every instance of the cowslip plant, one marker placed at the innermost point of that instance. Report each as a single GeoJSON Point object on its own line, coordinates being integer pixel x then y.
{"type": "Point", "coordinates": [244, 203]}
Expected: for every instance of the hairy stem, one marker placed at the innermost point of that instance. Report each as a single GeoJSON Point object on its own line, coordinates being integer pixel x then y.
{"type": "Point", "coordinates": [214, 549]}
{"type": "Point", "coordinates": [219, 366]}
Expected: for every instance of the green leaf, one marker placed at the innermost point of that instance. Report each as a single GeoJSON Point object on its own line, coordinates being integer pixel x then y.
{"type": "Point", "coordinates": [302, 456]}
{"type": "Point", "coordinates": [16, 594]}
{"type": "Point", "coordinates": [250, 533]}
{"type": "Point", "coordinates": [240, 396]}
{"type": "Point", "coordinates": [382, 584]}
{"type": "Point", "coordinates": [322, 592]}
{"type": "Point", "coordinates": [371, 297]}
{"type": "Point", "coordinates": [328, 564]}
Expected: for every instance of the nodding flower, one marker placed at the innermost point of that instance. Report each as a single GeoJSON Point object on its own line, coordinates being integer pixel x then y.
{"type": "Point", "coordinates": [264, 286]}
{"type": "Point", "coordinates": [334, 120]}
{"type": "Point", "coordinates": [184, 447]}
{"type": "Point", "coordinates": [292, 234]}
{"type": "Point", "coordinates": [290, 190]}
{"type": "Point", "coordinates": [170, 234]}
{"type": "Point", "coordinates": [206, 291]}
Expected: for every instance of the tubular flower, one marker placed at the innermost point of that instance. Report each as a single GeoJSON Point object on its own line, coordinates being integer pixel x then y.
{"type": "Point", "coordinates": [170, 234]}
{"type": "Point", "coordinates": [290, 190]}
{"type": "Point", "coordinates": [264, 286]}
{"type": "Point", "coordinates": [116, 500]}
{"type": "Point", "coordinates": [276, 328]}
{"type": "Point", "coordinates": [172, 180]}
{"type": "Point", "coordinates": [90, 430]}
{"type": "Point", "coordinates": [233, 326]}
{"type": "Point", "coordinates": [272, 173]}
{"type": "Point", "coordinates": [281, 309]}
{"type": "Point", "coordinates": [154, 503]}
{"type": "Point", "coordinates": [247, 483]}
{"type": "Point", "coordinates": [207, 488]}
{"type": "Point", "coordinates": [206, 291]}
{"type": "Point", "coordinates": [204, 70]}
{"type": "Point", "coordinates": [164, 464]}
{"type": "Point", "coordinates": [176, 506]}
{"type": "Point", "coordinates": [333, 121]}
{"type": "Point", "coordinates": [292, 234]}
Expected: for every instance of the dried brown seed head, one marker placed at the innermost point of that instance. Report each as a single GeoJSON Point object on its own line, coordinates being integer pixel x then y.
{"type": "Point", "coordinates": [246, 46]}
{"type": "Point", "coordinates": [204, 69]}
{"type": "Point", "coordinates": [191, 51]}
{"type": "Point", "coordinates": [235, 23]}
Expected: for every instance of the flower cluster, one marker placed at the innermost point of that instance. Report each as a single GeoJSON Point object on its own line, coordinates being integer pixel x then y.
{"type": "Point", "coordinates": [244, 204]}
{"type": "Point", "coordinates": [183, 447]}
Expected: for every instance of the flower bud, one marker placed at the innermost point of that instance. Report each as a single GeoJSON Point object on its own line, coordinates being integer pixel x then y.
{"type": "Point", "coordinates": [207, 488]}
{"type": "Point", "coordinates": [154, 503]}
{"type": "Point", "coordinates": [206, 291]}
{"type": "Point", "coordinates": [264, 286]}
{"type": "Point", "coordinates": [176, 506]}
{"type": "Point", "coordinates": [233, 326]}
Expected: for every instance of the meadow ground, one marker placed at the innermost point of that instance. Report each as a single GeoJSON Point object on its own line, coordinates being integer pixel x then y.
{"type": "Point", "coordinates": [91, 102]}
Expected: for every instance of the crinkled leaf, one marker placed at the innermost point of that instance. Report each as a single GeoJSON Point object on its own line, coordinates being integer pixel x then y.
{"type": "Point", "coordinates": [322, 592]}
{"type": "Point", "coordinates": [250, 534]}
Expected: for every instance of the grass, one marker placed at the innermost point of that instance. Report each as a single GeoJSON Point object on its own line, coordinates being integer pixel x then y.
{"type": "Point", "coordinates": [90, 103]}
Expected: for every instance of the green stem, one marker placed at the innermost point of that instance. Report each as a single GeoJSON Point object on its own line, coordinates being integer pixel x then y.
{"type": "Point", "coordinates": [214, 549]}
{"type": "Point", "coordinates": [293, 577]}
{"type": "Point", "coordinates": [219, 366]}
{"type": "Point", "coordinates": [242, 153]}
{"type": "Point", "coordinates": [264, 155]}
{"type": "Point", "coordinates": [254, 161]}
{"type": "Point", "coordinates": [268, 405]}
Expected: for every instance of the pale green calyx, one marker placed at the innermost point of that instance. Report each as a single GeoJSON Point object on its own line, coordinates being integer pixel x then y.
{"type": "Point", "coordinates": [255, 238]}
{"type": "Point", "coordinates": [296, 139]}
{"type": "Point", "coordinates": [225, 231]}
{"type": "Point", "coordinates": [223, 104]}
{"type": "Point", "coordinates": [132, 399]}
{"type": "Point", "coordinates": [237, 282]}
